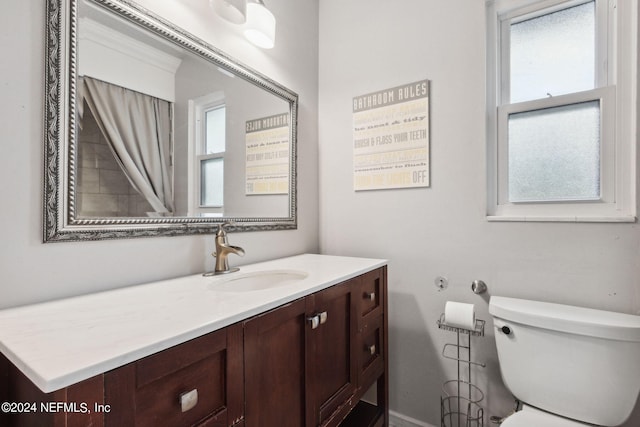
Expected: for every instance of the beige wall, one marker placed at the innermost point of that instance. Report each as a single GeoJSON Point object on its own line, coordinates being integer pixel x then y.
{"type": "Point", "coordinates": [372, 45]}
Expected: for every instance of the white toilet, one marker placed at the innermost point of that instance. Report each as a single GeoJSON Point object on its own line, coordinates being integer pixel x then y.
{"type": "Point", "coordinates": [569, 366]}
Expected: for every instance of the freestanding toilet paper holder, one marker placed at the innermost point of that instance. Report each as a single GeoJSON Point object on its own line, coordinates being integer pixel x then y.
{"type": "Point", "coordinates": [460, 405]}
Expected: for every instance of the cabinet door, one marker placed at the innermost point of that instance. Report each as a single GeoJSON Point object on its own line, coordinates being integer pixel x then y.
{"type": "Point", "coordinates": [199, 381]}
{"type": "Point", "coordinates": [276, 360]}
{"type": "Point", "coordinates": [333, 352]}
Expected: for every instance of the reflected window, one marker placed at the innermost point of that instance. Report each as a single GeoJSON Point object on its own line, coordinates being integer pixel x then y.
{"type": "Point", "coordinates": [211, 158]}
{"type": "Point", "coordinates": [207, 149]}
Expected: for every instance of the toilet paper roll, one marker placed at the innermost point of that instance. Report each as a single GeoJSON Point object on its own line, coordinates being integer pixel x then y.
{"type": "Point", "coordinates": [460, 315]}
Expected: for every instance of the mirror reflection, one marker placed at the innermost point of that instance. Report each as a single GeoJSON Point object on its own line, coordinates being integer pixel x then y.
{"type": "Point", "coordinates": [151, 131]}
{"type": "Point", "coordinates": [163, 132]}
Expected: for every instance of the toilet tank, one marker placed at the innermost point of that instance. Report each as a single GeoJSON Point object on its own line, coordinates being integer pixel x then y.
{"type": "Point", "coordinates": [576, 362]}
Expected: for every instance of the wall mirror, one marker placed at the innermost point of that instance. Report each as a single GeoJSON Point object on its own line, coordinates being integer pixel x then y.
{"type": "Point", "coordinates": [151, 131]}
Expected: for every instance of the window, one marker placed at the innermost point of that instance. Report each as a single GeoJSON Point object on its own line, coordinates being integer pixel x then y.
{"type": "Point", "coordinates": [211, 158]}
{"type": "Point", "coordinates": [561, 105]}
{"type": "Point", "coordinates": [207, 117]}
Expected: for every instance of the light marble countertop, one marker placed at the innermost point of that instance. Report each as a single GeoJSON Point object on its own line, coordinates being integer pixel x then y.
{"type": "Point", "coordinates": [59, 343]}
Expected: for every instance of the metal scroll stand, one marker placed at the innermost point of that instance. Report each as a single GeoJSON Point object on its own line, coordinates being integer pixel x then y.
{"type": "Point", "coordinates": [460, 405]}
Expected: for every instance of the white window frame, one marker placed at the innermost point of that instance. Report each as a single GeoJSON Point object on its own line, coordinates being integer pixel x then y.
{"type": "Point", "coordinates": [616, 90]}
{"type": "Point", "coordinates": [196, 152]}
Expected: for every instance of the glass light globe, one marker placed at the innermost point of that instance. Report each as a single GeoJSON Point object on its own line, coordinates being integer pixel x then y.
{"type": "Point", "coordinates": [232, 10]}
{"type": "Point", "coordinates": [261, 25]}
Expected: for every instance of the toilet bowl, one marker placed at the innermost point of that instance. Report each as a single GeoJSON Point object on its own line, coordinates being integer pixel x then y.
{"type": "Point", "coordinates": [570, 366]}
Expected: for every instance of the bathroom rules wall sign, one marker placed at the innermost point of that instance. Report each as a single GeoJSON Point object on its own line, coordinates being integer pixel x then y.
{"type": "Point", "coordinates": [267, 155]}
{"type": "Point", "coordinates": [391, 138]}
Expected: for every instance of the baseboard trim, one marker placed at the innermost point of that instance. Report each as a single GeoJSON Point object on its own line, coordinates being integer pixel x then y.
{"type": "Point", "coordinates": [399, 420]}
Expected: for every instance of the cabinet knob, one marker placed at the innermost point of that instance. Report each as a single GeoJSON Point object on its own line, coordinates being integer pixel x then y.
{"type": "Point", "coordinates": [371, 296]}
{"type": "Point", "coordinates": [323, 317]}
{"type": "Point", "coordinates": [372, 349]}
{"type": "Point", "coordinates": [188, 400]}
{"type": "Point", "coordinates": [314, 321]}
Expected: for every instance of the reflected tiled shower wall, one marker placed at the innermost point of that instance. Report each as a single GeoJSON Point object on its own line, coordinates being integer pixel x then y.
{"type": "Point", "coordinates": [103, 190]}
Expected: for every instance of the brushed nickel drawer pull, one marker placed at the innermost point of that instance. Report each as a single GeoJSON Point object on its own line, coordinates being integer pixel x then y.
{"type": "Point", "coordinates": [189, 399]}
{"type": "Point", "coordinates": [323, 317]}
{"type": "Point", "coordinates": [371, 296]}
{"type": "Point", "coordinates": [372, 349]}
{"type": "Point", "coordinates": [314, 321]}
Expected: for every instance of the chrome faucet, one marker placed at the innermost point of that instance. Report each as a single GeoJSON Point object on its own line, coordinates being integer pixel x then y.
{"type": "Point", "coordinates": [223, 249]}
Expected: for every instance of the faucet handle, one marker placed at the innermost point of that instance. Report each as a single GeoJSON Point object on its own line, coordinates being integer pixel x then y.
{"type": "Point", "coordinates": [222, 228]}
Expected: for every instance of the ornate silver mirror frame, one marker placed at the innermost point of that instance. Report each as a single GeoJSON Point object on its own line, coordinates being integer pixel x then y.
{"type": "Point", "coordinates": [60, 222]}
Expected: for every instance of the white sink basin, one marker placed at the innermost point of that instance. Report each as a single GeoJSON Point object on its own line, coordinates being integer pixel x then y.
{"type": "Point", "coordinates": [258, 280]}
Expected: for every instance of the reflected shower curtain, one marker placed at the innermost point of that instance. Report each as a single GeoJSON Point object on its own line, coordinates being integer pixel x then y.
{"type": "Point", "coordinates": [138, 130]}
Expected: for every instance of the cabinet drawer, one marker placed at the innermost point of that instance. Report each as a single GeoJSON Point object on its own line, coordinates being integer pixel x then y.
{"type": "Point", "coordinates": [371, 297]}
{"type": "Point", "coordinates": [180, 386]}
{"type": "Point", "coordinates": [183, 397]}
{"type": "Point", "coordinates": [371, 361]}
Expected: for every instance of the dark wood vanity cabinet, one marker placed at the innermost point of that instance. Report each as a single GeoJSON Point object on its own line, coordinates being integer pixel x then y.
{"type": "Point", "coordinates": [307, 363]}
{"type": "Point", "coordinates": [300, 365]}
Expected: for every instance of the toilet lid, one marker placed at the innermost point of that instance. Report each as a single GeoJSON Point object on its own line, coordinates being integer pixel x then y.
{"type": "Point", "coordinates": [529, 417]}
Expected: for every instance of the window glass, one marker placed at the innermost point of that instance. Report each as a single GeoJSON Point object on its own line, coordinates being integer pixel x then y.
{"type": "Point", "coordinates": [215, 130]}
{"type": "Point", "coordinates": [553, 54]}
{"type": "Point", "coordinates": [212, 182]}
{"type": "Point", "coordinates": [554, 153]}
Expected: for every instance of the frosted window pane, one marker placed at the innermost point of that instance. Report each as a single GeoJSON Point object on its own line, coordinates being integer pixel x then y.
{"type": "Point", "coordinates": [553, 54]}
{"type": "Point", "coordinates": [215, 125]}
{"type": "Point", "coordinates": [554, 153]}
{"type": "Point", "coordinates": [212, 182]}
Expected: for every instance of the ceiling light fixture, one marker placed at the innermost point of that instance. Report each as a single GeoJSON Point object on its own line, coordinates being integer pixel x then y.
{"type": "Point", "coordinates": [260, 25]}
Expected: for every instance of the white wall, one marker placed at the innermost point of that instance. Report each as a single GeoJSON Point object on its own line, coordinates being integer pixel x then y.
{"type": "Point", "coordinates": [31, 271]}
{"type": "Point", "coordinates": [370, 45]}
